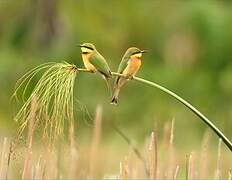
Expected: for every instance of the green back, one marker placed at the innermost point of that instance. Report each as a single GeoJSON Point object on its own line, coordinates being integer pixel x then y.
{"type": "Point", "coordinates": [100, 64]}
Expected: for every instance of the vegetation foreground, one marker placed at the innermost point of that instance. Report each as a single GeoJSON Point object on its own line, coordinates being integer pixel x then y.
{"type": "Point", "coordinates": [157, 159]}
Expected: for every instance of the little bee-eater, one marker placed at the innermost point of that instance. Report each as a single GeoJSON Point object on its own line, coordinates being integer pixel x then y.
{"type": "Point", "coordinates": [129, 66]}
{"type": "Point", "coordinates": [95, 62]}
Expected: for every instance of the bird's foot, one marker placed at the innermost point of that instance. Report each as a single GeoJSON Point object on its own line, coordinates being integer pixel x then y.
{"type": "Point", "coordinates": [131, 77]}
{"type": "Point", "coordinates": [92, 71]}
{"type": "Point", "coordinates": [73, 68]}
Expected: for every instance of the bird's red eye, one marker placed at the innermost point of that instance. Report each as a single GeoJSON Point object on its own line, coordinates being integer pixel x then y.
{"type": "Point", "coordinates": [85, 52]}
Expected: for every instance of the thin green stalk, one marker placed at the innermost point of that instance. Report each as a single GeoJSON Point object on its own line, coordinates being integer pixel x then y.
{"type": "Point", "coordinates": [187, 104]}
{"type": "Point", "coordinates": [192, 108]}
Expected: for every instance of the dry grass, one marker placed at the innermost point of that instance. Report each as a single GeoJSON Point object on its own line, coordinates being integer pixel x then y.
{"type": "Point", "coordinates": [72, 160]}
{"type": "Point", "coordinates": [153, 156]}
{"type": "Point", "coordinates": [218, 167]}
{"type": "Point", "coordinates": [94, 148]}
{"type": "Point", "coordinates": [31, 128]}
{"type": "Point", "coordinates": [4, 155]}
{"type": "Point", "coordinates": [204, 156]}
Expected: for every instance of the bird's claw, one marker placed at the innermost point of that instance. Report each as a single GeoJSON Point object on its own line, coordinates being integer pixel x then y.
{"type": "Point", "coordinates": [131, 77]}
{"type": "Point", "coordinates": [73, 68]}
{"type": "Point", "coordinates": [92, 71]}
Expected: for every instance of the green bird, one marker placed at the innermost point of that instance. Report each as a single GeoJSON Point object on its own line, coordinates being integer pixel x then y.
{"type": "Point", "coordinates": [130, 64]}
{"type": "Point", "coordinates": [95, 62]}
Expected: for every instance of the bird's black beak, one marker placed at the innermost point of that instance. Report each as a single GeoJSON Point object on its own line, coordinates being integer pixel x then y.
{"type": "Point", "coordinates": [144, 51]}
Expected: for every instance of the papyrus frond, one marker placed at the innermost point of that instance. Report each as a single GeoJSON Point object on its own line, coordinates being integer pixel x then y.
{"type": "Point", "coordinates": [54, 97]}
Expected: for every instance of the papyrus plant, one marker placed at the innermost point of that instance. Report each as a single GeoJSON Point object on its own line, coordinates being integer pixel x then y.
{"type": "Point", "coordinates": [54, 95]}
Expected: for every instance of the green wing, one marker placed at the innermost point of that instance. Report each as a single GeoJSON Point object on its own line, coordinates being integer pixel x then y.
{"type": "Point", "coordinates": [100, 64]}
{"type": "Point", "coordinates": [121, 67]}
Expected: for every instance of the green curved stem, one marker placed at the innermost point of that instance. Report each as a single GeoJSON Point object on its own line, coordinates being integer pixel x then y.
{"type": "Point", "coordinates": [184, 102]}
{"type": "Point", "coordinates": [192, 108]}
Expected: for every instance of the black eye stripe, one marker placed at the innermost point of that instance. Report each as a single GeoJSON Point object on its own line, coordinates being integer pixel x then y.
{"type": "Point", "coordinates": [136, 52]}
{"type": "Point", "coordinates": [88, 47]}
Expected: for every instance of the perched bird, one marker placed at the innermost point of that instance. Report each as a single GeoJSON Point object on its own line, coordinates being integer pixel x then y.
{"type": "Point", "coordinates": [129, 66]}
{"type": "Point", "coordinates": [95, 62]}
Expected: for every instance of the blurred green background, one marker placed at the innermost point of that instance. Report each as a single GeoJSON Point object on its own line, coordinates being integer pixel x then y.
{"type": "Point", "coordinates": [190, 51]}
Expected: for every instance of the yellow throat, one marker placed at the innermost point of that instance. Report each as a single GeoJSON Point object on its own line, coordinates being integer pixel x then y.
{"type": "Point", "coordinates": [137, 55]}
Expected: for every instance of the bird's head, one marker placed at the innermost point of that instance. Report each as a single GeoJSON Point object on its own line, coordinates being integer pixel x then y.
{"type": "Point", "coordinates": [134, 52]}
{"type": "Point", "coordinates": [87, 48]}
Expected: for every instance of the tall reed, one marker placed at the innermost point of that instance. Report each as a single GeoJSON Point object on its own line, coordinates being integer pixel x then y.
{"type": "Point", "coordinates": [94, 148]}
{"type": "Point", "coordinates": [153, 156]}
{"type": "Point", "coordinates": [27, 163]}
{"type": "Point", "coordinates": [218, 167]}
{"type": "Point", "coordinates": [3, 160]}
